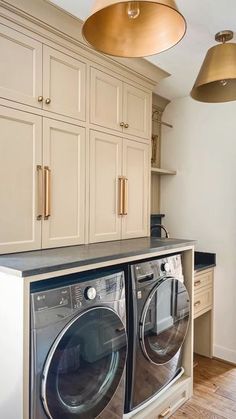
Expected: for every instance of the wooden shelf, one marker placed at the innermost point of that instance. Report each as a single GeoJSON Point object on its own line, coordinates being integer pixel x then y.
{"type": "Point", "coordinates": [158, 171]}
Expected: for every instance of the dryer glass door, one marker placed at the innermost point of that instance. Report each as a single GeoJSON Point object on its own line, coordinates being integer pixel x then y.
{"type": "Point", "coordinates": [164, 321]}
{"type": "Point", "coordinates": [85, 365]}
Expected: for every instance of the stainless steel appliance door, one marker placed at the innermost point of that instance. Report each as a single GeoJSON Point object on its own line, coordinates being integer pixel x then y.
{"type": "Point", "coordinates": [84, 365]}
{"type": "Point", "coordinates": [164, 321]}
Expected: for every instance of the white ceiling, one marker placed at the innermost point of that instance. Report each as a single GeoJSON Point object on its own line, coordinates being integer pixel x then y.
{"type": "Point", "coordinates": [204, 19]}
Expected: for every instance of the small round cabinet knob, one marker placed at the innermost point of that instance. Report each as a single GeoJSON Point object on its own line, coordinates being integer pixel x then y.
{"type": "Point", "coordinates": [90, 293]}
{"type": "Point", "coordinates": [122, 124]}
{"type": "Point", "coordinates": [126, 125]}
{"type": "Point", "coordinates": [40, 98]}
{"type": "Point", "coordinates": [48, 100]}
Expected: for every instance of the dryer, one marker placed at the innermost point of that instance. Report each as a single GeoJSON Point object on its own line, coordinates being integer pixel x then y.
{"type": "Point", "coordinates": [158, 319]}
{"type": "Point", "coordinates": [78, 347]}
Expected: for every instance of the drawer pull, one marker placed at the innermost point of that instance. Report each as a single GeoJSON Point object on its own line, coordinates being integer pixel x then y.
{"type": "Point", "coordinates": [197, 283]}
{"type": "Point", "coordinates": [165, 413]}
{"type": "Point", "coordinates": [198, 303]}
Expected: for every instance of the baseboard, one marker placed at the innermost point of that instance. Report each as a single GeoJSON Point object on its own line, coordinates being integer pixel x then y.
{"type": "Point", "coordinates": [224, 354]}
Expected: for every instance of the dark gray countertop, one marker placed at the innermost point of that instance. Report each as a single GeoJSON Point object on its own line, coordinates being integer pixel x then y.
{"type": "Point", "coordinates": [44, 261]}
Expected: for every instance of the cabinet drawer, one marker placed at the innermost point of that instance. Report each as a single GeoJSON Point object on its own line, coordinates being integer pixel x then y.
{"type": "Point", "coordinates": [202, 280]}
{"type": "Point", "coordinates": [166, 408]}
{"type": "Point", "coordinates": [203, 301]}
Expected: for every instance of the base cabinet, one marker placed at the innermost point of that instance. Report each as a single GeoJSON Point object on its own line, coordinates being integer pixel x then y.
{"type": "Point", "coordinates": [119, 185]}
{"type": "Point", "coordinates": [166, 404]}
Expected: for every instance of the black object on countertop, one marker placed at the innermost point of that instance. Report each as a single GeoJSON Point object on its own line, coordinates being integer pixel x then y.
{"type": "Point", "coordinates": [43, 261]}
{"type": "Point", "coordinates": [156, 219]}
{"type": "Point", "coordinates": [204, 260]}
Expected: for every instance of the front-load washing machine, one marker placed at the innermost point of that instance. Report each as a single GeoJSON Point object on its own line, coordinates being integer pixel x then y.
{"type": "Point", "coordinates": [158, 319]}
{"type": "Point", "coordinates": [78, 347]}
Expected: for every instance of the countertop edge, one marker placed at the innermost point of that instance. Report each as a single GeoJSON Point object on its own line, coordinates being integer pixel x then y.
{"type": "Point", "coordinates": [83, 263]}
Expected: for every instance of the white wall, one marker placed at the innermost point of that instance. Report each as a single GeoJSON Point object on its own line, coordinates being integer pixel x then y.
{"type": "Point", "coordinates": [200, 202]}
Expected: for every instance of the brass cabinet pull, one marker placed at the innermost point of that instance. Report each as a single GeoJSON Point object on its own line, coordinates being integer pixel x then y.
{"type": "Point", "coordinates": [47, 100]}
{"type": "Point", "coordinates": [197, 283]}
{"type": "Point", "coordinates": [121, 195]}
{"type": "Point", "coordinates": [198, 303]}
{"type": "Point", "coordinates": [122, 124]}
{"type": "Point", "coordinates": [40, 98]}
{"type": "Point", "coordinates": [125, 199]}
{"type": "Point", "coordinates": [47, 192]}
{"type": "Point", "coordinates": [40, 192]}
{"type": "Point", "coordinates": [165, 413]}
{"type": "Point", "coordinates": [126, 125]}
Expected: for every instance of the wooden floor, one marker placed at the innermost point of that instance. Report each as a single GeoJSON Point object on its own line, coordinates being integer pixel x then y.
{"type": "Point", "coordinates": [214, 392]}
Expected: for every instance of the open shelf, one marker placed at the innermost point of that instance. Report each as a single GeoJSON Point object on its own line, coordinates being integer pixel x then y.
{"type": "Point", "coordinates": [159, 171]}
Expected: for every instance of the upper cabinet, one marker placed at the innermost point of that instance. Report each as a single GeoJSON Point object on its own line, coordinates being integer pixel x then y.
{"type": "Point", "coordinates": [20, 155]}
{"type": "Point", "coordinates": [64, 172]}
{"type": "Point", "coordinates": [21, 67]}
{"type": "Point", "coordinates": [63, 84]}
{"type": "Point", "coordinates": [119, 187]}
{"type": "Point", "coordinates": [119, 106]}
{"type": "Point", "coordinates": [40, 76]}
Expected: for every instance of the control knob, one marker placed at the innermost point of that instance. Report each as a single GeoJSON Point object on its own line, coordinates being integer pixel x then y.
{"type": "Point", "coordinates": [90, 293]}
{"type": "Point", "coordinates": [165, 267]}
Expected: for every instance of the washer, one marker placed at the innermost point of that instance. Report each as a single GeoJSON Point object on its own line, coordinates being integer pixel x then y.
{"type": "Point", "coordinates": [78, 348]}
{"type": "Point", "coordinates": [159, 312]}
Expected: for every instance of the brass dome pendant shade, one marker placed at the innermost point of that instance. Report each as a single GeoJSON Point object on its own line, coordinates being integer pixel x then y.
{"type": "Point", "coordinates": [216, 81]}
{"type": "Point", "coordinates": [134, 28]}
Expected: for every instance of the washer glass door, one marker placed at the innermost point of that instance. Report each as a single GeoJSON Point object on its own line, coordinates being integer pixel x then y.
{"type": "Point", "coordinates": [164, 321]}
{"type": "Point", "coordinates": [85, 365]}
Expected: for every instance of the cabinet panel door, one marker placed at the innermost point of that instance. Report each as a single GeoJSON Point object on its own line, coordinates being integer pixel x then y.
{"type": "Point", "coordinates": [136, 169]}
{"type": "Point", "coordinates": [64, 154]}
{"type": "Point", "coordinates": [137, 111]}
{"type": "Point", "coordinates": [105, 169]}
{"type": "Point", "coordinates": [20, 153]}
{"type": "Point", "coordinates": [21, 67]}
{"type": "Point", "coordinates": [64, 83]}
{"type": "Point", "coordinates": [105, 100]}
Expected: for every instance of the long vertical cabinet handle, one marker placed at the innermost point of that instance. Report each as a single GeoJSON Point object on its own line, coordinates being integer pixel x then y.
{"type": "Point", "coordinates": [40, 192]}
{"type": "Point", "coordinates": [121, 195]}
{"type": "Point", "coordinates": [125, 199]}
{"type": "Point", "coordinates": [47, 192]}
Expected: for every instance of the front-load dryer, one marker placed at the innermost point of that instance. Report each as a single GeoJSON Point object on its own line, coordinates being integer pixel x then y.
{"type": "Point", "coordinates": [159, 312]}
{"type": "Point", "coordinates": [78, 348]}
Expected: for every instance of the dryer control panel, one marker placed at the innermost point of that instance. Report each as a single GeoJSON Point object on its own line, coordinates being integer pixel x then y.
{"type": "Point", "coordinates": [57, 303]}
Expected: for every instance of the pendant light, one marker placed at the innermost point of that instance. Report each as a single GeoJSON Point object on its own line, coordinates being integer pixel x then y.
{"type": "Point", "coordinates": [216, 81]}
{"type": "Point", "coordinates": [134, 28]}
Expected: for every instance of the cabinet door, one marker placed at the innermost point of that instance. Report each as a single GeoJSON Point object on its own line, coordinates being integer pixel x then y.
{"type": "Point", "coordinates": [137, 111]}
{"type": "Point", "coordinates": [20, 153]}
{"type": "Point", "coordinates": [63, 84]}
{"type": "Point", "coordinates": [105, 100]}
{"type": "Point", "coordinates": [64, 155]}
{"type": "Point", "coordinates": [21, 67]}
{"type": "Point", "coordinates": [136, 168]}
{"type": "Point", "coordinates": [105, 169]}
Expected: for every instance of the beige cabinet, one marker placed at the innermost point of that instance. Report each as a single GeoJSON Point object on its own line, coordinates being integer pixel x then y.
{"type": "Point", "coordinates": [105, 169]}
{"type": "Point", "coordinates": [119, 184]}
{"type": "Point", "coordinates": [21, 67]}
{"type": "Point", "coordinates": [136, 169]}
{"type": "Point", "coordinates": [120, 106]}
{"type": "Point", "coordinates": [64, 171]}
{"type": "Point", "coordinates": [37, 75]}
{"type": "Point", "coordinates": [63, 84]}
{"type": "Point", "coordinates": [20, 153]}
